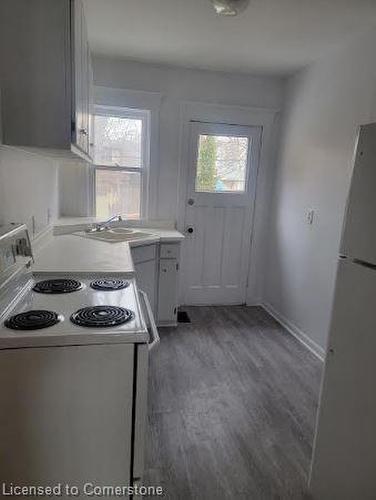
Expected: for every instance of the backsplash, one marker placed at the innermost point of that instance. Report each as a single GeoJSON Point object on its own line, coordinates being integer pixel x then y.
{"type": "Point", "coordinates": [28, 189]}
{"type": "Point", "coordinates": [76, 180]}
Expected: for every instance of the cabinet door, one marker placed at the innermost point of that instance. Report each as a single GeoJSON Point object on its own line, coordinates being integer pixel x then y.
{"type": "Point", "coordinates": [76, 35]}
{"type": "Point", "coordinates": [35, 73]}
{"type": "Point", "coordinates": [167, 296]}
{"type": "Point", "coordinates": [145, 277]}
{"type": "Point", "coordinates": [85, 87]}
{"type": "Point", "coordinates": [91, 107]}
{"type": "Point", "coordinates": [80, 136]}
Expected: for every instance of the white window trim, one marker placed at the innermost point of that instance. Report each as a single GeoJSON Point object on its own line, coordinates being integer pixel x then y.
{"type": "Point", "coordinates": [139, 99]}
{"type": "Point", "coordinates": [144, 116]}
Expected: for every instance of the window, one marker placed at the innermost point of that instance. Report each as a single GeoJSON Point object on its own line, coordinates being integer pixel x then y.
{"type": "Point", "coordinates": [222, 162]}
{"type": "Point", "coordinates": [121, 156]}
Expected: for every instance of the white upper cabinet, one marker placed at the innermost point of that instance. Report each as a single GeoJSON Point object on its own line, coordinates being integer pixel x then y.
{"type": "Point", "coordinates": [45, 76]}
{"type": "Point", "coordinates": [81, 78]}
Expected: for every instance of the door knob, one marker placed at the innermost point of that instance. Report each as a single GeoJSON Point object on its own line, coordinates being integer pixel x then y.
{"type": "Point", "coordinates": [189, 230]}
{"type": "Point", "coordinates": [191, 201]}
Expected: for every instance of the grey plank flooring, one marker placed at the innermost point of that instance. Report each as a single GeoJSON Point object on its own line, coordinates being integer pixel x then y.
{"type": "Point", "coordinates": [232, 405]}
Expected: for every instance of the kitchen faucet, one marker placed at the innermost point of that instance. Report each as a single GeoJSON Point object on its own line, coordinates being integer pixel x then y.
{"type": "Point", "coordinates": [101, 226]}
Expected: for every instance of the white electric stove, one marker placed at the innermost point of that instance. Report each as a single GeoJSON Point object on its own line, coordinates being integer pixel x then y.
{"type": "Point", "coordinates": [73, 373]}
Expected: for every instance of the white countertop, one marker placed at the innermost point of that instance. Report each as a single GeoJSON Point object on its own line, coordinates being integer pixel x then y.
{"type": "Point", "coordinates": [71, 254]}
{"type": "Point", "coordinates": [163, 231]}
{"type": "Point", "coordinates": [66, 253]}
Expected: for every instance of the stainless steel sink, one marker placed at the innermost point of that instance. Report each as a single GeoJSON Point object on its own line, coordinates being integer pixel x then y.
{"type": "Point", "coordinates": [115, 234]}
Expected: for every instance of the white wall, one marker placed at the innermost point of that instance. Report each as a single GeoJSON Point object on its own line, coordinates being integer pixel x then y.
{"type": "Point", "coordinates": [222, 94]}
{"type": "Point", "coordinates": [177, 85]}
{"type": "Point", "coordinates": [76, 182]}
{"type": "Point", "coordinates": [326, 103]}
{"type": "Point", "coordinates": [28, 187]}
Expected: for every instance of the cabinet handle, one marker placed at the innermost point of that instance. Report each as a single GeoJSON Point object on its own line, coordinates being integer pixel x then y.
{"type": "Point", "coordinates": [83, 131]}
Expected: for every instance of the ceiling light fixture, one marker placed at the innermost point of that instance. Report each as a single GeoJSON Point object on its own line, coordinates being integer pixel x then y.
{"type": "Point", "coordinates": [229, 7]}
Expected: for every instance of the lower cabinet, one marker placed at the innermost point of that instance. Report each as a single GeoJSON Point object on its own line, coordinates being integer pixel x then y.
{"type": "Point", "coordinates": [168, 284]}
{"type": "Point", "coordinates": [157, 272]}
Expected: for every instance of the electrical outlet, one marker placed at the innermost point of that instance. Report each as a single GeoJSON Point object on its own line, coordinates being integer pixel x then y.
{"type": "Point", "coordinates": [310, 217]}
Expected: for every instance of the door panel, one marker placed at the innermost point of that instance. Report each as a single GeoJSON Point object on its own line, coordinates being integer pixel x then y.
{"type": "Point", "coordinates": [212, 220]}
{"type": "Point", "coordinates": [81, 78]}
{"type": "Point", "coordinates": [232, 253]}
{"type": "Point", "coordinates": [219, 222]}
{"type": "Point", "coordinates": [345, 444]}
{"type": "Point", "coordinates": [78, 75]}
{"type": "Point", "coordinates": [167, 307]}
{"type": "Point", "coordinates": [85, 81]}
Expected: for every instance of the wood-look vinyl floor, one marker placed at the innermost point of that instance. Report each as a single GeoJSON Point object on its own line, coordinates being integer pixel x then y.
{"type": "Point", "coordinates": [232, 406]}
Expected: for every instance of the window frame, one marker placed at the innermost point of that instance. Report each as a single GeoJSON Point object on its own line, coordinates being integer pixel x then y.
{"type": "Point", "coordinates": [144, 169]}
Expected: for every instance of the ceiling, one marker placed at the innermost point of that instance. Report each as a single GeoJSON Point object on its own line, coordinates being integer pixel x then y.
{"type": "Point", "coordinates": [271, 36]}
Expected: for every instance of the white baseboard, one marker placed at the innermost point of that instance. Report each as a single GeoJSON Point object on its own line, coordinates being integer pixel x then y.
{"type": "Point", "coordinates": [253, 301]}
{"type": "Point", "coordinates": [303, 338]}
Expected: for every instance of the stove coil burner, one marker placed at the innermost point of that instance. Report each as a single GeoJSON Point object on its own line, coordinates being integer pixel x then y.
{"type": "Point", "coordinates": [57, 286]}
{"type": "Point", "coordinates": [109, 284]}
{"type": "Point", "coordinates": [32, 320]}
{"type": "Point", "coordinates": [101, 316]}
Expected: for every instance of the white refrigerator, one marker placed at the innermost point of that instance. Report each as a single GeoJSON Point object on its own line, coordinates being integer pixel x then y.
{"type": "Point", "coordinates": [344, 459]}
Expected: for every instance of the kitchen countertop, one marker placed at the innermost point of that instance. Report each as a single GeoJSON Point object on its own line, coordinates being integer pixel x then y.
{"type": "Point", "coordinates": [67, 253]}
{"type": "Point", "coordinates": [163, 231]}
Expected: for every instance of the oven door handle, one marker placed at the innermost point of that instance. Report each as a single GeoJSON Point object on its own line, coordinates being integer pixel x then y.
{"type": "Point", "coordinates": [153, 327]}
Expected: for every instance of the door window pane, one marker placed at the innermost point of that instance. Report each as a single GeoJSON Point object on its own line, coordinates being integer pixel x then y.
{"type": "Point", "coordinates": [118, 192]}
{"type": "Point", "coordinates": [118, 141]}
{"type": "Point", "coordinates": [221, 164]}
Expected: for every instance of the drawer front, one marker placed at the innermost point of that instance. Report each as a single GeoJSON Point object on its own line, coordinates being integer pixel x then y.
{"type": "Point", "coordinates": [170, 251]}
{"type": "Point", "coordinates": [143, 254]}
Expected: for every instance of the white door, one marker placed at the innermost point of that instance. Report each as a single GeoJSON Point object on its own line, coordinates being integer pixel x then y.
{"type": "Point", "coordinates": [219, 212]}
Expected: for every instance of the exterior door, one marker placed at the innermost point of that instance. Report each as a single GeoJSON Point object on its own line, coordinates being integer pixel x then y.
{"type": "Point", "coordinates": [219, 212]}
